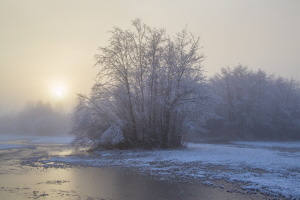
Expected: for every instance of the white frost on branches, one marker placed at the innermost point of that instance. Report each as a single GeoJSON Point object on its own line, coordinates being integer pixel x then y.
{"type": "Point", "coordinates": [113, 135]}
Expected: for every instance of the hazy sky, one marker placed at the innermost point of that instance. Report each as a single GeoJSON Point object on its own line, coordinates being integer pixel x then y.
{"type": "Point", "coordinates": [47, 47]}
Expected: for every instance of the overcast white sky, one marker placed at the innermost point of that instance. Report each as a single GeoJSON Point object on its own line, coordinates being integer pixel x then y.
{"type": "Point", "coordinates": [50, 44]}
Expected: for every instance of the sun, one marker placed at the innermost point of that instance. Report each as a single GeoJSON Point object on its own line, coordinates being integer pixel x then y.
{"type": "Point", "coordinates": [59, 90]}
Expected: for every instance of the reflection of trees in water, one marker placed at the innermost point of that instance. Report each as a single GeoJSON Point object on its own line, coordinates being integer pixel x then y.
{"type": "Point", "coordinates": [37, 118]}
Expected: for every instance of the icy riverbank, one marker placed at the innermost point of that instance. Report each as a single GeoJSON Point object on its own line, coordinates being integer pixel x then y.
{"type": "Point", "coordinates": [37, 139]}
{"type": "Point", "coordinates": [272, 170]}
{"type": "Point", "coordinates": [20, 141]}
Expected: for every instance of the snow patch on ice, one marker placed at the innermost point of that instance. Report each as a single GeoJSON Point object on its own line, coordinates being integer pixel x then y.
{"type": "Point", "coordinates": [38, 139]}
{"type": "Point", "coordinates": [13, 141]}
{"type": "Point", "coordinates": [52, 139]}
{"type": "Point", "coordinates": [11, 146]}
{"type": "Point", "coordinates": [8, 137]}
{"type": "Point", "coordinates": [293, 144]}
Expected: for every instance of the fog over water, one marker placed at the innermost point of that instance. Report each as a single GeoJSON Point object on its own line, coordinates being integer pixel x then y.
{"type": "Point", "coordinates": [47, 47]}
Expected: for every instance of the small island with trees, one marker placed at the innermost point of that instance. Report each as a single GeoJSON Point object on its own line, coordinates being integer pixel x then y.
{"type": "Point", "coordinates": [151, 92]}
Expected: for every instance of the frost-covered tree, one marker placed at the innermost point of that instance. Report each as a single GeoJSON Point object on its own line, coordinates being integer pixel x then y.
{"type": "Point", "coordinates": [257, 105]}
{"type": "Point", "coordinates": [150, 91]}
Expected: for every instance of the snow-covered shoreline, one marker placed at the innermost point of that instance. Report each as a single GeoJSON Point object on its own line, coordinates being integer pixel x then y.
{"type": "Point", "coordinates": [269, 167]}
{"type": "Point", "coordinates": [4, 146]}
{"type": "Point", "coordinates": [270, 171]}
{"type": "Point", "coordinates": [20, 141]}
{"type": "Point", "coordinates": [38, 139]}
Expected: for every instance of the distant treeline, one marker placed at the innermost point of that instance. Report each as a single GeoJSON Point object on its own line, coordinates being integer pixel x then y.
{"type": "Point", "coordinates": [37, 118]}
{"type": "Point", "coordinates": [254, 105]}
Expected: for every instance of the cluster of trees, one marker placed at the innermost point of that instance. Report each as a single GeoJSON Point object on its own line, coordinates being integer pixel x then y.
{"type": "Point", "coordinates": [151, 92]}
{"type": "Point", "coordinates": [148, 91]}
{"type": "Point", "coordinates": [37, 118]}
{"type": "Point", "coordinates": [255, 105]}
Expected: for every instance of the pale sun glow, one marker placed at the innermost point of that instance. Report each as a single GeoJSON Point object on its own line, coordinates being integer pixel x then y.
{"type": "Point", "coordinates": [59, 90]}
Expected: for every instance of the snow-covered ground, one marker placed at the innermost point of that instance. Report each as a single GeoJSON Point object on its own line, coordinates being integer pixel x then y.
{"type": "Point", "coordinates": [38, 139]}
{"type": "Point", "coordinates": [11, 146]}
{"type": "Point", "coordinates": [8, 137]}
{"type": "Point", "coordinates": [52, 139]}
{"type": "Point", "coordinates": [271, 144]}
{"type": "Point", "coordinates": [5, 138]}
{"type": "Point", "coordinates": [7, 141]}
{"type": "Point", "coordinates": [268, 170]}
